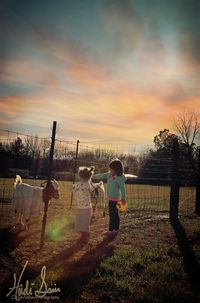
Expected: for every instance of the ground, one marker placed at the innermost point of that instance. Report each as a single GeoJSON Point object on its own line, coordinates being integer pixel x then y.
{"type": "Point", "coordinates": [150, 260]}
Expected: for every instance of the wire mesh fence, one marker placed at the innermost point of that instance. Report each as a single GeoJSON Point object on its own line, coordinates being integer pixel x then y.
{"type": "Point", "coordinates": [148, 196]}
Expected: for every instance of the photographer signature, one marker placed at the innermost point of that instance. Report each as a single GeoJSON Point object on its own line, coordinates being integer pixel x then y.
{"type": "Point", "coordinates": [20, 291]}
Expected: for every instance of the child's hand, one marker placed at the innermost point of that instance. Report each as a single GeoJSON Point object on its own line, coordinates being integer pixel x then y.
{"type": "Point", "coordinates": [123, 202]}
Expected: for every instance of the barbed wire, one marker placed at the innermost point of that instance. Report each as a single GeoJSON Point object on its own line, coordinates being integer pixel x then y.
{"type": "Point", "coordinates": [23, 134]}
{"type": "Point", "coordinates": [124, 147]}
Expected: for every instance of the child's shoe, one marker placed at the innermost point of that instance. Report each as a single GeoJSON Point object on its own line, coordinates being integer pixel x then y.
{"type": "Point", "coordinates": [108, 233]}
{"type": "Point", "coordinates": [84, 238]}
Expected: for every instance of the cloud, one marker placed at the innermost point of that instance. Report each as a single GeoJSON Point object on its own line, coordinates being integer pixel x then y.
{"type": "Point", "coordinates": [170, 91]}
{"type": "Point", "coordinates": [123, 24]}
{"type": "Point", "coordinates": [189, 57]}
{"type": "Point", "coordinates": [127, 89]}
{"type": "Point", "coordinates": [50, 61]}
{"type": "Point", "coordinates": [187, 27]}
{"type": "Point", "coordinates": [78, 63]}
{"type": "Point", "coordinates": [125, 117]}
{"type": "Point", "coordinates": [27, 73]}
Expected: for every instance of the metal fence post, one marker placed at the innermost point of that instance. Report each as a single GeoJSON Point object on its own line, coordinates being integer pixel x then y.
{"type": "Point", "coordinates": [197, 202]}
{"type": "Point", "coordinates": [174, 192]}
{"type": "Point", "coordinates": [46, 202]}
{"type": "Point", "coordinates": [75, 168]}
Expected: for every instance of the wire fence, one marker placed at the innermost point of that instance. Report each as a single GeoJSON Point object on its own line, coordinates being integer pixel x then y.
{"type": "Point", "coordinates": [148, 196]}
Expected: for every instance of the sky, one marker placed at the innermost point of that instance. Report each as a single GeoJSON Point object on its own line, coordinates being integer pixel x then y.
{"type": "Point", "coordinates": [106, 71]}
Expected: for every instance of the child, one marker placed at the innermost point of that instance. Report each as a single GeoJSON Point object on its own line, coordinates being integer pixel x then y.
{"type": "Point", "coordinates": [116, 192]}
{"type": "Point", "coordinates": [82, 195]}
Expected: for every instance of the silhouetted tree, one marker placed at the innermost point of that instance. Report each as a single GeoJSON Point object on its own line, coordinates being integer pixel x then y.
{"type": "Point", "coordinates": [17, 146]}
{"type": "Point", "coordinates": [164, 142]}
{"type": "Point", "coordinates": [187, 125]}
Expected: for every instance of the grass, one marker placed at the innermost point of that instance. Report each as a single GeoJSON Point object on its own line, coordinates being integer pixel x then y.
{"type": "Point", "coordinates": [139, 275]}
{"type": "Point", "coordinates": [144, 272]}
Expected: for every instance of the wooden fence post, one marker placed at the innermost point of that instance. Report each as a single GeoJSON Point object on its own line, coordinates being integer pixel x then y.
{"type": "Point", "coordinates": [174, 192]}
{"type": "Point", "coordinates": [75, 168]}
{"type": "Point", "coordinates": [197, 202]}
{"type": "Point", "coordinates": [46, 202]}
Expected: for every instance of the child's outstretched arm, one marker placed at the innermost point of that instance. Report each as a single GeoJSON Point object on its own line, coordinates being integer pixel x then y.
{"type": "Point", "coordinates": [101, 176]}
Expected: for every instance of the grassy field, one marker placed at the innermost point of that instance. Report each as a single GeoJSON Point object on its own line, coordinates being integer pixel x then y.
{"type": "Point", "coordinates": [139, 197]}
{"type": "Point", "coordinates": [149, 261]}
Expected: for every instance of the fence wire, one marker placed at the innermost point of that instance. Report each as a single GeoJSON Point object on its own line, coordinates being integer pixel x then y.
{"type": "Point", "coordinates": [28, 156]}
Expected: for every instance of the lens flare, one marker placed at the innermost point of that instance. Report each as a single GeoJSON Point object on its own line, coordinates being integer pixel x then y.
{"type": "Point", "coordinates": [58, 228]}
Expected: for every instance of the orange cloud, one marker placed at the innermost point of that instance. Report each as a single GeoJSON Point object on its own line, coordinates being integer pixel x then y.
{"type": "Point", "coordinates": [124, 117]}
{"type": "Point", "coordinates": [27, 72]}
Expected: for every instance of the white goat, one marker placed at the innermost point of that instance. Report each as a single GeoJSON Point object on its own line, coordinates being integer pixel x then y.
{"type": "Point", "coordinates": [28, 200]}
{"type": "Point", "coordinates": [98, 196]}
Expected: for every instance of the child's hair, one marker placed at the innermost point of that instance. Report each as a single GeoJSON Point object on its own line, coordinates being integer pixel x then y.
{"type": "Point", "coordinates": [86, 172]}
{"type": "Point", "coordinates": [117, 166]}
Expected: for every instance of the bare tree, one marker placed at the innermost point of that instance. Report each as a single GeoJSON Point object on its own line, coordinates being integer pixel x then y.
{"type": "Point", "coordinates": [32, 146]}
{"type": "Point", "coordinates": [187, 125]}
{"type": "Point", "coordinates": [45, 145]}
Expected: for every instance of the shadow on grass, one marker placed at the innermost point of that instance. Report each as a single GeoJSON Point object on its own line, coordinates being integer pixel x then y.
{"type": "Point", "coordinates": [9, 240]}
{"type": "Point", "coordinates": [191, 266]}
{"type": "Point", "coordinates": [77, 272]}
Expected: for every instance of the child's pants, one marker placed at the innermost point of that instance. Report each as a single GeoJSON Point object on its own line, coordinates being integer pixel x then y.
{"type": "Point", "coordinates": [114, 216]}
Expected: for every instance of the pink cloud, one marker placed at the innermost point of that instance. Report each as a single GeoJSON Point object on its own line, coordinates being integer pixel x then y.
{"type": "Point", "coordinates": [27, 72]}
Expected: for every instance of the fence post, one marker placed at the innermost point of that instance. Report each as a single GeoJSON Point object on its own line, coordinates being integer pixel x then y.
{"type": "Point", "coordinates": [197, 202]}
{"type": "Point", "coordinates": [46, 197]}
{"type": "Point", "coordinates": [75, 168]}
{"type": "Point", "coordinates": [174, 192]}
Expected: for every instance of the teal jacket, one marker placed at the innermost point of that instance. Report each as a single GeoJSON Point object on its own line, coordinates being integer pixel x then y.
{"type": "Point", "coordinates": [115, 185]}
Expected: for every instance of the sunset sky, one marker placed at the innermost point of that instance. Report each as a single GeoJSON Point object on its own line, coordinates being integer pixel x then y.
{"type": "Point", "coordinates": [106, 71]}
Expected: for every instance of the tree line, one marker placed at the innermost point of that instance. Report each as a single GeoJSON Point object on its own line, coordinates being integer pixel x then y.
{"type": "Point", "coordinates": [32, 154]}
